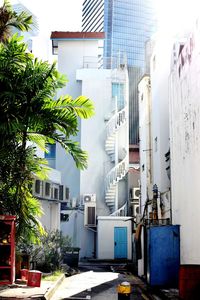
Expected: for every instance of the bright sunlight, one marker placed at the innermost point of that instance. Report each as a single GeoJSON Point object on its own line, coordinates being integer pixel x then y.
{"type": "Point", "coordinates": [176, 16]}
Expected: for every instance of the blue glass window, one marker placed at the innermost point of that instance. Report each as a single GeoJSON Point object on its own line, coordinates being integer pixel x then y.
{"type": "Point", "coordinates": [118, 93]}
{"type": "Point", "coordinates": [51, 151]}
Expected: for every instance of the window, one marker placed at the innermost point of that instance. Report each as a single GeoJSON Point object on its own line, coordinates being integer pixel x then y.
{"type": "Point", "coordinates": [51, 148]}
{"type": "Point", "coordinates": [118, 94]}
{"type": "Point", "coordinates": [51, 155]}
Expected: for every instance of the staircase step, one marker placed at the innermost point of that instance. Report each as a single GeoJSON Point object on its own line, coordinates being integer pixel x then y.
{"type": "Point", "coordinates": [112, 188]}
{"type": "Point", "coordinates": [109, 198]}
{"type": "Point", "coordinates": [110, 150]}
{"type": "Point", "coordinates": [110, 203]}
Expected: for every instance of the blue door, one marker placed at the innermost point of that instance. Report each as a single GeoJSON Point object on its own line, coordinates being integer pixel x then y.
{"type": "Point", "coordinates": [120, 242]}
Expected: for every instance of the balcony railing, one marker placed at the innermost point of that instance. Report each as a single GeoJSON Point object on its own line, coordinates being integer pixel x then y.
{"type": "Point", "coordinates": [100, 62]}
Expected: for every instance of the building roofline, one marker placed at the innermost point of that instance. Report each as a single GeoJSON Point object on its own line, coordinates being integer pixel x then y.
{"type": "Point", "coordinates": [69, 35]}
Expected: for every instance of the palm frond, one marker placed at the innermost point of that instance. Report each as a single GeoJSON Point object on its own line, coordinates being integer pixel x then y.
{"type": "Point", "coordinates": [82, 106]}
{"type": "Point", "coordinates": [38, 139]}
{"type": "Point", "coordinates": [72, 147]}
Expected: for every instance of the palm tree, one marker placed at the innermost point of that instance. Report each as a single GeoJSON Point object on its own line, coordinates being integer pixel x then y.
{"type": "Point", "coordinates": [29, 112]}
{"type": "Point", "coordinates": [10, 19]}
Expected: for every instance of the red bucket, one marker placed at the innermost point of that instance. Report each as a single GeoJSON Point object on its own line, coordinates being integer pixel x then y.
{"type": "Point", "coordinates": [34, 278]}
{"type": "Point", "coordinates": [24, 274]}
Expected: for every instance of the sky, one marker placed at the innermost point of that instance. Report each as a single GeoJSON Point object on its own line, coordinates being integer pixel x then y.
{"type": "Point", "coordinates": [177, 16]}
{"type": "Point", "coordinates": [65, 15]}
{"type": "Point", "coordinates": [174, 16]}
{"type": "Point", "coordinates": [56, 15]}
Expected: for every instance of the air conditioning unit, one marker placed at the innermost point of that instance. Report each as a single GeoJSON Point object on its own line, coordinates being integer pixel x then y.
{"type": "Point", "coordinates": [47, 190]}
{"type": "Point", "coordinates": [66, 193]}
{"type": "Point", "coordinates": [38, 188]}
{"type": "Point", "coordinates": [136, 193]}
{"type": "Point", "coordinates": [61, 192]}
{"type": "Point", "coordinates": [54, 192]}
{"type": "Point", "coordinates": [89, 198]}
{"type": "Point", "coordinates": [90, 214]}
{"type": "Point", "coordinates": [136, 209]}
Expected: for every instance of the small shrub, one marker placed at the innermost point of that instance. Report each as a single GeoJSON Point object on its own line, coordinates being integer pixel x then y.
{"type": "Point", "coordinates": [48, 255]}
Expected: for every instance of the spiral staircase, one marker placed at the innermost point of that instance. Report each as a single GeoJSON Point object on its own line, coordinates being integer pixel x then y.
{"type": "Point", "coordinates": [120, 169]}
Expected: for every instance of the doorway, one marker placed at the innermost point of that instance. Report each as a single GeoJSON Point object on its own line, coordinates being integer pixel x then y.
{"type": "Point", "coordinates": [120, 242]}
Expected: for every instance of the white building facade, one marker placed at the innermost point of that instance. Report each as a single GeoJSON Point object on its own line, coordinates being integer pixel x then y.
{"type": "Point", "coordinates": [101, 189]}
{"type": "Point", "coordinates": [49, 192]}
{"type": "Point", "coordinates": [154, 143]}
{"type": "Point", "coordinates": [160, 144]}
{"type": "Point", "coordinates": [185, 146]}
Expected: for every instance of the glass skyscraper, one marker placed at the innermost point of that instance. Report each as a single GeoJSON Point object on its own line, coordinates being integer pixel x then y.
{"type": "Point", "coordinates": [128, 25]}
{"type": "Point", "coordinates": [93, 15]}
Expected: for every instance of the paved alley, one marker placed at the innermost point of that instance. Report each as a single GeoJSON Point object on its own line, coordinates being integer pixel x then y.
{"type": "Point", "coordinates": [99, 282]}
{"type": "Point", "coordinates": [91, 287]}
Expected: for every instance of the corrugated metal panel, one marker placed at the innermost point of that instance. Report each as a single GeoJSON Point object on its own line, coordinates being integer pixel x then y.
{"type": "Point", "coordinates": [163, 244]}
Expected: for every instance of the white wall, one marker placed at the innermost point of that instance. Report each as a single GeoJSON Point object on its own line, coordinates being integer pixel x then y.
{"type": "Point", "coordinates": [93, 133]}
{"type": "Point", "coordinates": [105, 236]}
{"type": "Point", "coordinates": [160, 70]}
{"type": "Point", "coordinates": [70, 58]}
{"type": "Point", "coordinates": [51, 217]}
{"type": "Point", "coordinates": [185, 148]}
{"type": "Point", "coordinates": [96, 84]}
{"type": "Point", "coordinates": [146, 169]}
{"type": "Point", "coordinates": [81, 236]}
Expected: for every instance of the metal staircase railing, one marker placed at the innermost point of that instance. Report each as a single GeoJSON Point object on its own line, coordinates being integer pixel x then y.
{"type": "Point", "coordinates": [114, 129]}
{"type": "Point", "coordinates": [116, 174]}
{"type": "Point", "coordinates": [117, 120]}
{"type": "Point", "coordinates": [122, 211]}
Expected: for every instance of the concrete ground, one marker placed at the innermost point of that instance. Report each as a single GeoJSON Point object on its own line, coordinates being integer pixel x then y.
{"type": "Point", "coordinates": [22, 291]}
{"type": "Point", "coordinates": [93, 281]}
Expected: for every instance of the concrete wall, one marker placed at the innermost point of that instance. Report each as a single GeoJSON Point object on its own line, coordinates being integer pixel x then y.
{"type": "Point", "coordinates": [93, 134]}
{"type": "Point", "coordinates": [96, 84]}
{"type": "Point", "coordinates": [51, 217]}
{"type": "Point", "coordinates": [70, 58]}
{"type": "Point", "coordinates": [185, 147]}
{"type": "Point", "coordinates": [146, 167]}
{"type": "Point", "coordinates": [145, 112]}
{"type": "Point", "coordinates": [105, 236]}
{"type": "Point", "coordinates": [160, 70]}
{"type": "Point", "coordinates": [81, 236]}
